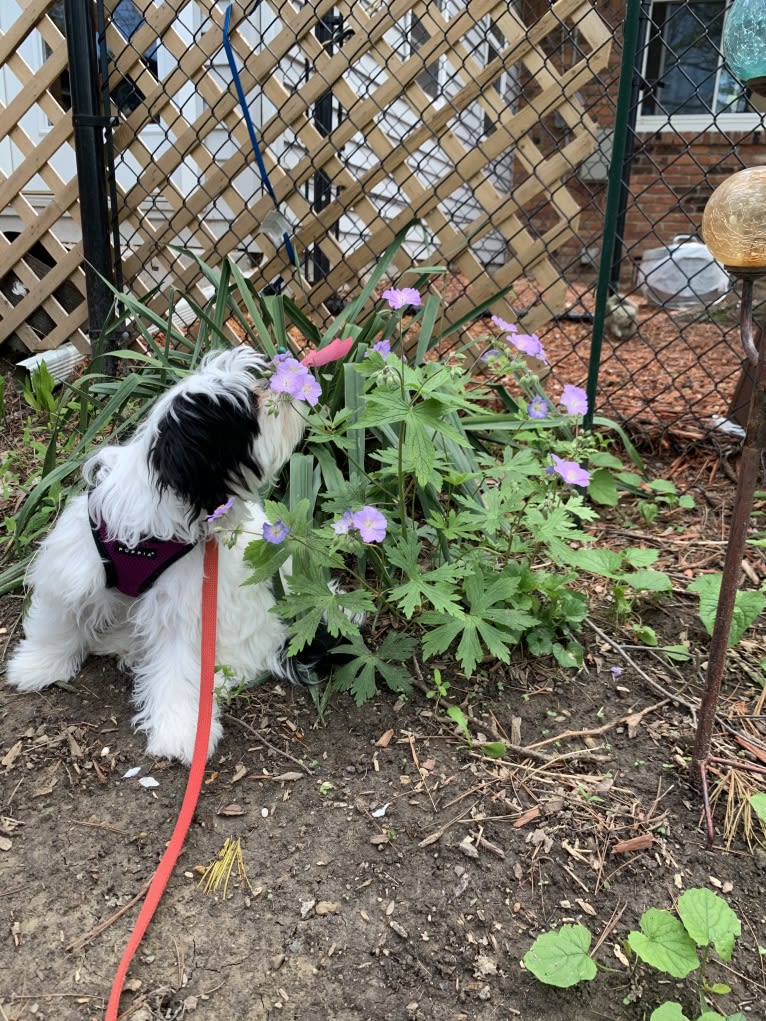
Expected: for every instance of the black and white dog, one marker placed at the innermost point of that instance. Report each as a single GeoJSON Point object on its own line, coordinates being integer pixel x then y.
{"type": "Point", "coordinates": [121, 572]}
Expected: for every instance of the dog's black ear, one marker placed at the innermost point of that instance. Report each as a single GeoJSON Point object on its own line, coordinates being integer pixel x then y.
{"type": "Point", "coordinates": [203, 447]}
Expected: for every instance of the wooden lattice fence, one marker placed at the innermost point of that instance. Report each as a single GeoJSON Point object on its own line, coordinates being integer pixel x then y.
{"type": "Point", "coordinates": [185, 162]}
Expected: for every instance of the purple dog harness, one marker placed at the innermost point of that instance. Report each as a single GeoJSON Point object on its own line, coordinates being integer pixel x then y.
{"type": "Point", "coordinates": [134, 569]}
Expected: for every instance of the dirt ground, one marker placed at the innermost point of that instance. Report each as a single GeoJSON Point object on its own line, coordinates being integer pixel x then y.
{"type": "Point", "coordinates": [394, 871]}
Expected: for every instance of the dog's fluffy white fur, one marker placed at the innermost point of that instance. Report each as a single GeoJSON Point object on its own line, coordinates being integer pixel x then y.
{"type": "Point", "coordinates": [213, 435]}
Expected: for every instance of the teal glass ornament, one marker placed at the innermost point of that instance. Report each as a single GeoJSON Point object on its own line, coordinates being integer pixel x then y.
{"type": "Point", "coordinates": [744, 43]}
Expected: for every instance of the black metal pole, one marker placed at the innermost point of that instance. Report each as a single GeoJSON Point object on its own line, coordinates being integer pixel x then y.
{"type": "Point", "coordinates": [89, 125]}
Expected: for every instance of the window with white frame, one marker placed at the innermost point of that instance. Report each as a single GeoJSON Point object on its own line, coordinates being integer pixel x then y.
{"type": "Point", "coordinates": [686, 85]}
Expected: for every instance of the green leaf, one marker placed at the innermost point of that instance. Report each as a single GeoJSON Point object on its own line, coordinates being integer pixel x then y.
{"type": "Point", "coordinates": [677, 653]}
{"type": "Point", "coordinates": [359, 674]}
{"type": "Point", "coordinates": [664, 943]}
{"type": "Point", "coordinates": [603, 488]}
{"type": "Point", "coordinates": [758, 805]}
{"type": "Point", "coordinates": [441, 635]}
{"type": "Point", "coordinates": [747, 605]}
{"type": "Point", "coordinates": [457, 716]}
{"type": "Point", "coordinates": [603, 562]}
{"type": "Point", "coordinates": [493, 749]}
{"type": "Point", "coordinates": [638, 557]}
{"type": "Point", "coordinates": [709, 919]}
{"type": "Point", "coordinates": [569, 656]}
{"type": "Point", "coordinates": [648, 581]}
{"type": "Point", "coordinates": [668, 1011]}
{"type": "Point", "coordinates": [646, 634]}
{"type": "Point", "coordinates": [435, 587]}
{"type": "Point", "coordinates": [561, 958]}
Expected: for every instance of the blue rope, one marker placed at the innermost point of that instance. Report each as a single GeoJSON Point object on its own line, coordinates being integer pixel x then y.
{"type": "Point", "coordinates": [251, 127]}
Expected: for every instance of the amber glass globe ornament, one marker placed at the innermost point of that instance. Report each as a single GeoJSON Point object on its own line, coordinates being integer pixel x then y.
{"type": "Point", "coordinates": [734, 230]}
{"type": "Point", "coordinates": [734, 222]}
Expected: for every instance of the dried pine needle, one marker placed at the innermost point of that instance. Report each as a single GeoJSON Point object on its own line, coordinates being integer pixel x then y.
{"type": "Point", "coordinates": [219, 871]}
{"type": "Point", "coordinates": [737, 786]}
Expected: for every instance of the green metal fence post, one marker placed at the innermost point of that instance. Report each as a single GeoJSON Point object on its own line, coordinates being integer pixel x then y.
{"type": "Point", "coordinates": [614, 195]}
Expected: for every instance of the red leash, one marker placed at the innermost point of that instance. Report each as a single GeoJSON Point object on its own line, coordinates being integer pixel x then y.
{"type": "Point", "coordinates": [193, 784]}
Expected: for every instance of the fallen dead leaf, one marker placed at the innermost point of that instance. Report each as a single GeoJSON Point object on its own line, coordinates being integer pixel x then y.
{"type": "Point", "coordinates": [634, 722]}
{"type": "Point", "coordinates": [485, 966]}
{"type": "Point", "coordinates": [231, 810]}
{"type": "Point", "coordinates": [468, 848]}
{"type": "Point", "coordinates": [11, 755]}
{"type": "Point", "coordinates": [585, 906]}
{"type": "Point", "coordinates": [618, 953]}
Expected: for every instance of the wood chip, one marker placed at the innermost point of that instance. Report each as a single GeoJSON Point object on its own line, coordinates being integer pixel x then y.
{"type": "Point", "coordinates": [385, 739]}
{"type": "Point", "coordinates": [529, 816]}
{"type": "Point", "coordinates": [639, 843]}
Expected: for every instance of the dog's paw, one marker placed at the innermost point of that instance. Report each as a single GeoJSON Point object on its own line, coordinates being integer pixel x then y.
{"type": "Point", "coordinates": [173, 740]}
{"type": "Point", "coordinates": [31, 669]}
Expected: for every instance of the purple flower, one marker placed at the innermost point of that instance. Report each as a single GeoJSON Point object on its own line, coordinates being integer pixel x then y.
{"type": "Point", "coordinates": [383, 347]}
{"type": "Point", "coordinates": [615, 671]}
{"type": "Point", "coordinates": [570, 471]}
{"type": "Point", "coordinates": [295, 379]}
{"type": "Point", "coordinates": [344, 524]}
{"type": "Point", "coordinates": [400, 298]}
{"type": "Point", "coordinates": [575, 400]}
{"type": "Point", "coordinates": [220, 511]}
{"type": "Point", "coordinates": [289, 376]}
{"type": "Point", "coordinates": [501, 324]}
{"type": "Point", "coordinates": [308, 390]}
{"type": "Point", "coordinates": [371, 524]}
{"type": "Point", "coordinates": [276, 533]}
{"type": "Point", "coordinates": [489, 354]}
{"type": "Point", "coordinates": [530, 344]}
{"type": "Point", "coordinates": [537, 408]}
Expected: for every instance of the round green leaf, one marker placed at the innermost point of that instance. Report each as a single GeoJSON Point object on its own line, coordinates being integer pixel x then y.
{"type": "Point", "coordinates": [664, 944]}
{"type": "Point", "coordinates": [709, 919]}
{"type": "Point", "coordinates": [669, 1011]}
{"type": "Point", "coordinates": [561, 958]}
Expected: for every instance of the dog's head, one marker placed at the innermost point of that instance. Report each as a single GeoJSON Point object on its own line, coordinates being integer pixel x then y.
{"type": "Point", "coordinates": [216, 433]}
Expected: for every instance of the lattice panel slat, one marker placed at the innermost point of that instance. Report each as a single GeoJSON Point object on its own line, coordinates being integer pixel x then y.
{"type": "Point", "coordinates": [393, 151]}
